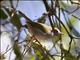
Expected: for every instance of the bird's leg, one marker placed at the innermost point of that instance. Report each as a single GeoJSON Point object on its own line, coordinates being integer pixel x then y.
{"type": "Point", "coordinates": [36, 40]}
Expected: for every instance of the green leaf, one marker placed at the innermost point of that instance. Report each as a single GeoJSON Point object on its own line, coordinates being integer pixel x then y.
{"type": "Point", "coordinates": [64, 5]}
{"type": "Point", "coordinates": [17, 51]}
{"type": "Point", "coordinates": [40, 52]}
{"type": "Point", "coordinates": [68, 55]}
{"type": "Point", "coordinates": [16, 20]}
{"type": "Point", "coordinates": [9, 11]}
{"type": "Point", "coordinates": [2, 14]}
{"type": "Point", "coordinates": [71, 24]}
{"type": "Point", "coordinates": [32, 58]}
{"type": "Point", "coordinates": [73, 20]}
{"type": "Point", "coordinates": [42, 18]}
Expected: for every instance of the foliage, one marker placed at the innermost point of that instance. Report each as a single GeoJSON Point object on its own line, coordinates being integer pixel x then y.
{"type": "Point", "coordinates": [54, 11]}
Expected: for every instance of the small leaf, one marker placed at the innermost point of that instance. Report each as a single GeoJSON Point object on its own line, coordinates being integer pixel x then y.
{"type": "Point", "coordinates": [9, 11]}
{"type": "Point", "coordinates": [2, 14]}
{"type": "Point", "coordinates": [67, 55]}
{"type": "Point", "coordinates": [40, 52]}
{"type": "Point", "coordinates": [71, 24]}
{"type": "Point", "coordinates": [17, 51]}
{"type": "Point", "coordinates": [64, 5]}
{"type": "Point", "coordinates": [16, 20]}
{"type": "Point", "coordinates": [73, 20]}
{"type": "Point", "coordinates": [42, 18]}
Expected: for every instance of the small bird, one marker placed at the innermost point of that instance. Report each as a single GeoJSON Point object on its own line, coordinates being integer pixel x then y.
{"type": "Point", "coordinates": [42, 31]}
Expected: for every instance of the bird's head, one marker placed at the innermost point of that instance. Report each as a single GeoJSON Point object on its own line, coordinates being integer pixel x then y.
{"type": "Point", "coordinates": [56, 31]}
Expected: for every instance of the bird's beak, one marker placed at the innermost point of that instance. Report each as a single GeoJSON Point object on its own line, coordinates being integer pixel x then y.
{"type": "Point", "coordinates": [61, 33]}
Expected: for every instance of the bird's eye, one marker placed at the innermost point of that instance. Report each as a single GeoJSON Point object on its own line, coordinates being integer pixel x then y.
{"type": "Point", "coordinates": [55, 32]}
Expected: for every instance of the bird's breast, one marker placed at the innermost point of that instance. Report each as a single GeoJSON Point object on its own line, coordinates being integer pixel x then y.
{"type": "Point", "coordinates": [39, 34]}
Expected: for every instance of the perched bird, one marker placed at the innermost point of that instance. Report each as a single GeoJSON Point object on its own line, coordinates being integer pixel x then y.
{"type": "Point", "coordinates": [41, 31]}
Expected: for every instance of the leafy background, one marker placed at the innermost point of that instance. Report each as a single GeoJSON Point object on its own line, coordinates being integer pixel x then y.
{"type": "Point", "coordinates": [16, 42]}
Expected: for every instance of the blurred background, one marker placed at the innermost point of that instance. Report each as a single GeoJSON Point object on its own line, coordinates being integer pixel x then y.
{"type": "Point", "coordinates": [15, 37]}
